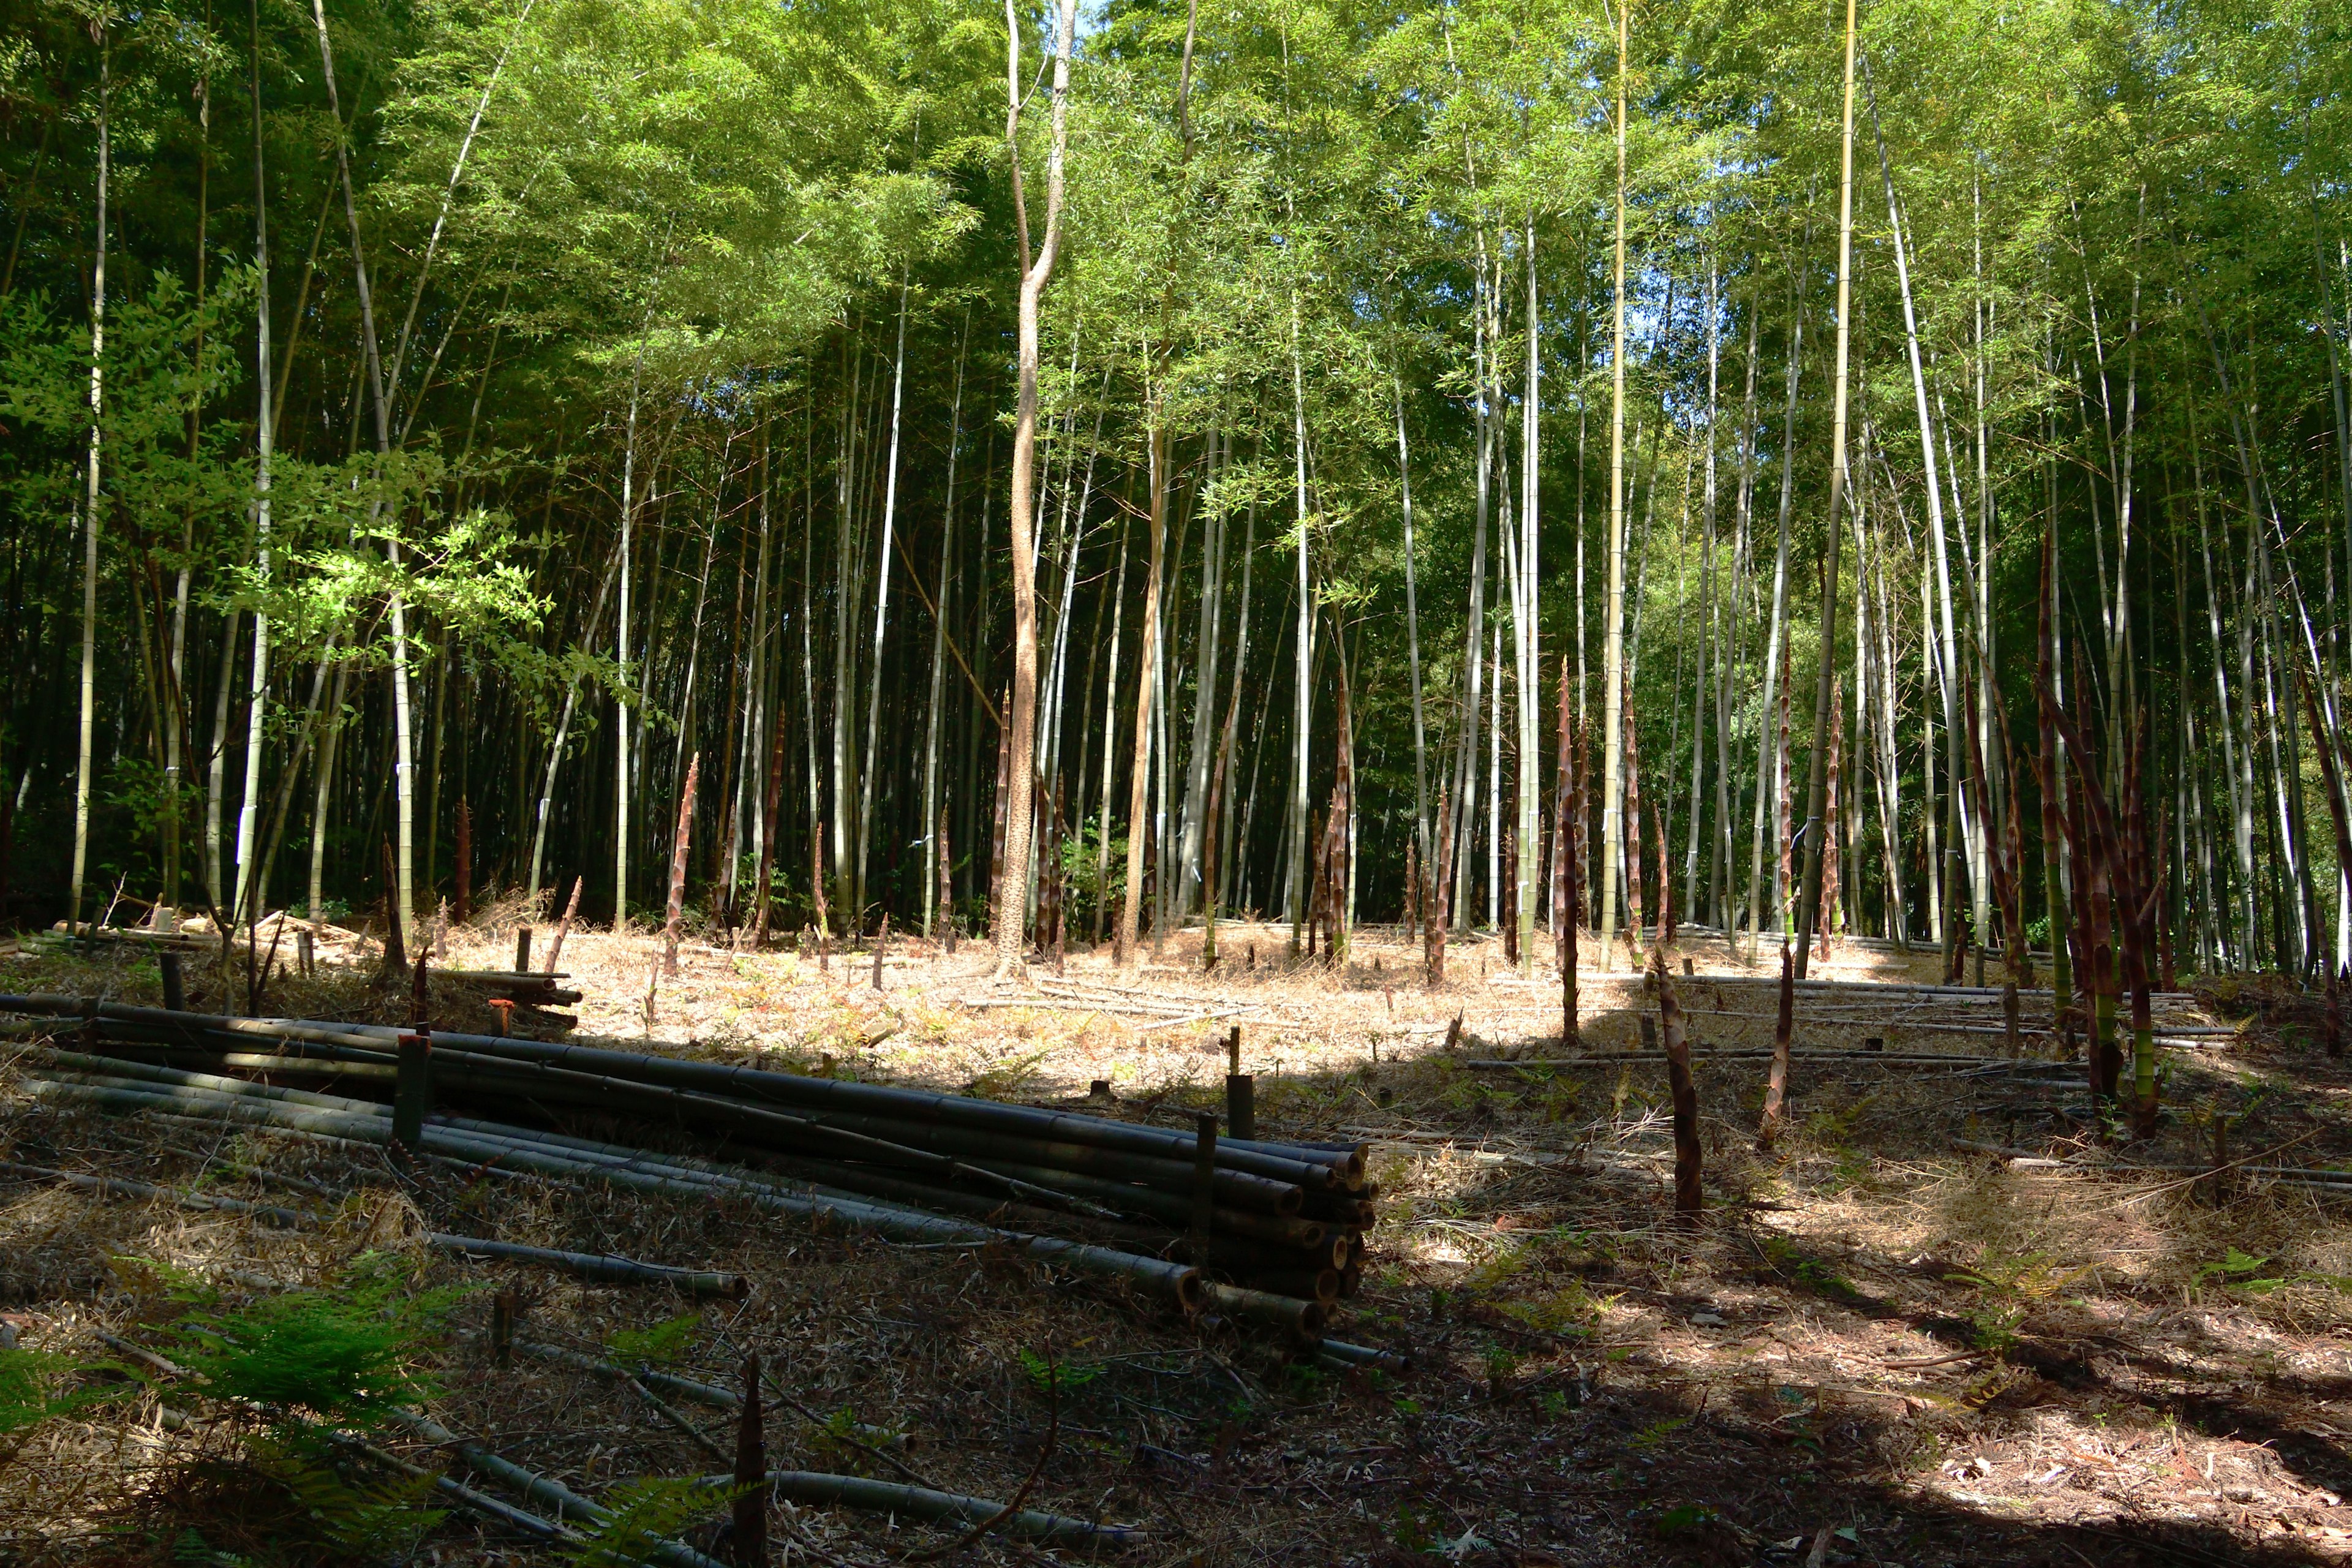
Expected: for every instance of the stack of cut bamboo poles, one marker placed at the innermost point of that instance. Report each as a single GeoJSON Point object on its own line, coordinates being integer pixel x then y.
{"type": "Point", "coordinates": [1249, 1228]}
{"type": "Point", "coordinates": [534, 995]}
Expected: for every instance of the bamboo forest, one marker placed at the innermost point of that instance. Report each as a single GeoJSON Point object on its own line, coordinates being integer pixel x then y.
{"type": "Point", "coordinates": [1518, 781]}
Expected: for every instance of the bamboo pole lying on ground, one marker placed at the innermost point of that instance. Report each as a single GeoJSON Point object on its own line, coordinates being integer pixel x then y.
{"type": "Point", "coordinates": [956, 1154]}
{"type": "Point", "coordinates": [1308, 1168]}
{"type": "Point", "coordinates": [519, 1149]}
{"type": "Point", "coordinates": [822, 1490]}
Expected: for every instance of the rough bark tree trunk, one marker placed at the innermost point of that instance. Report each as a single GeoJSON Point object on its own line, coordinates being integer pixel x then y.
{"type": "Point", "coordinates": [1021, 717]}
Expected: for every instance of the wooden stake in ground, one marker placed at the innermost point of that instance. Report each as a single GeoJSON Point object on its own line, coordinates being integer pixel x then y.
{"type": "Point", "coordinates": [750, 1505]}
{"type": "Point", "coordinates": [1689, 1199]}
{"type": "Point", "coordinates": [674, 916]}
{"type": "Point", "coordinates": [563, 926]}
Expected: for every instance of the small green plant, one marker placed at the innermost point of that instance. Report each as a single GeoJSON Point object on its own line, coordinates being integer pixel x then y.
{"type": "Point", "coordinates": [2238, 1271]}
{"type": "Point", "coordinates": [1658, 1431]}
{"type": "Point", "coordinates": [299, 1368]}
{"type": "Point", "coordinates": [1684, 1519]}
{"type": "Point", "coordinates": [1005, 1080]}
{"type": "Point", "coordinates": [644, 1514]}
{"type": "Point", "coordinates": [662, 1343]}
{"type": "Point", "coordinates": [1049, 1376]}
{"type": "Point", "coordinates": [1304, 1379]}
{"type": "Point", "coordinates": [33, 1389]}
{"type": "Point", "coordinates": [306, 1354]}
{"type": "Point", "coordinates": [1413, 1529]}
{"type": "Point", "coordinates": [1500, 1363]}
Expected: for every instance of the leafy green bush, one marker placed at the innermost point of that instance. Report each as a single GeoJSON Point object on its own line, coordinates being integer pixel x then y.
{"type": "Point", "coordinates": [343, 1358]}
{"type": "Point", "coordinates": [302, 1371]}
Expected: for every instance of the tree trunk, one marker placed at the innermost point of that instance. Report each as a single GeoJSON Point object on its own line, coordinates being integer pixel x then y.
{"type": "Point", "coordinates": [555, 747]}
{"type": "Point", "coordinates": [1303, 714]}
{"type": "Point", "coordinates": [403, 893]}
{"type": "Point", "coordinates": [1411, 634]}
{"type": "Point", "coordinates": [1021, 719]}
{"type": "Point", "coordinates": [1568, 865]}
{"type": "Point", "coordinates": [1526, 624]}
{"type": "Point", "coordinates": [936, 889]}
{"type": "Point", "coordinates": [1824, 699]}
{"type": "Point", "coordinates": [1110, 738]}
{"type": "Point", "coordinates": [88, 710]}
{"type": "Point", "coordinates": [1613, 674]}
{"type": "Point", "coordinates": [1770, 784]}
{"type": "Point", "coordinates": [1147, 683]}
{"type": "Point", "coordinates": [871, 764]}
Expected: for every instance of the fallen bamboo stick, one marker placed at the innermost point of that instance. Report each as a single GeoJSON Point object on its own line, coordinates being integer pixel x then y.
{"type": "Point", "coordinates": [567, 1503]}
{"type": "Point", "coordinates": [820, 1490]}
{"type": "Point", "coordinates": [1363, 1355]}
{"type": "Point", "coordinates": [603, 1268]}
{"type": "Point", "coordinates": [912, 1106]}
{"type": "Point", "coordinates": [703, 1393]}
{"type": "Point", "coordinates": [458, 1067]}
{"type": "Point", "coordinates": [1760, 1054]}
{"type": "Point", "coordinates": [129, 1188]}
{"type": "Point", "coordinates": [1176, 1281]}
{"type": "Point", "coordinates": [2293, 1175]}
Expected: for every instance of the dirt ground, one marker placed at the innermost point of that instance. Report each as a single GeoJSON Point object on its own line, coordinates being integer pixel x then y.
{"type": "Point", "coordinates": [1879, 1348]}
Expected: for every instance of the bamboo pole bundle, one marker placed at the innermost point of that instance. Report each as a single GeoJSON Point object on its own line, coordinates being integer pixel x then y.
{"type": "Point", "coordinates": [1283, 1214]}
{"type": "Point", "coordinates": [235, 1101]}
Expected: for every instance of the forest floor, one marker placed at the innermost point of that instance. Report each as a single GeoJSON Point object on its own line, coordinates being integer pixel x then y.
{"type": "Point", "coordinates": [1879, 1348]}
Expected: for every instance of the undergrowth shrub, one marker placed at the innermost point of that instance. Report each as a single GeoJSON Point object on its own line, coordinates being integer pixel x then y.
{"type": "Point", "coordinates": [299, 1375]}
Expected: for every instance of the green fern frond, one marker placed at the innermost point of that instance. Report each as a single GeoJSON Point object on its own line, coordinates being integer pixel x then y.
{"type": "Point", "coordinates": [665, 1341]}
{"type": "Point", "coordinates": [366, 1517]}
{"type": "Point", "coordinates": [32, 1391]}
{"type": "Point", "coordinates": [645, 1512]}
